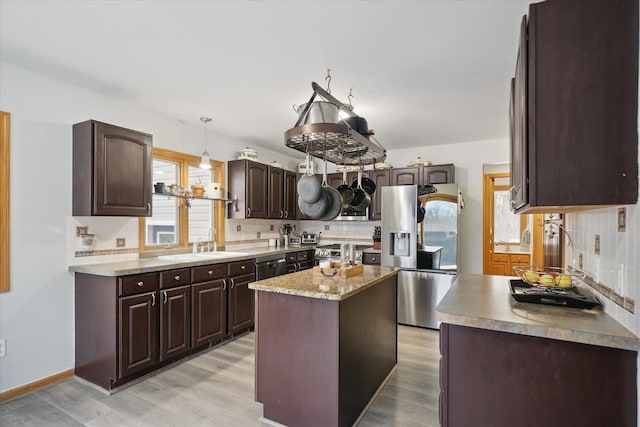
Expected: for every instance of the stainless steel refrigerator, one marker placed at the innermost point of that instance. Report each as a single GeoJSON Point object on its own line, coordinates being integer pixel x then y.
{"type": "Point", "coordinates": [420, 236]}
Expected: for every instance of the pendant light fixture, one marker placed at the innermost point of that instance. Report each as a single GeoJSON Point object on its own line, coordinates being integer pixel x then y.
{"type": "Point", "coordinates": [205, 163]}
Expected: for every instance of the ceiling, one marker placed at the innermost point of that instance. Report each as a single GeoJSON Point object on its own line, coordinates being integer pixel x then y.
{"type": "Point", "coordinates": [421, 72]}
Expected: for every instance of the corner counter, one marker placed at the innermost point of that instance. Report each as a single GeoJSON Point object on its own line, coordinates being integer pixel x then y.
{"type": "Point", "coordinates": [324, 346]}
{"type": "Point", "coordinates": [508, 363]}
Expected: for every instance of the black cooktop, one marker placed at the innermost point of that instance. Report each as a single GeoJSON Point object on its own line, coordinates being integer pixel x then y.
{"type": "Point", "coordinates": [572, 297]}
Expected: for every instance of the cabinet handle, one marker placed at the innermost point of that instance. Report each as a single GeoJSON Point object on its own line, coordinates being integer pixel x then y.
{"type": "Point", "coordinates": [281, 214]}
{"type": "Point", "coordinates": [286, 214]}
{"type": "Point", "coordinates": [177, 277]}
{"type": "Point", "coordinates": [148, 208]}
{"type": "Point", "coordinates": [224, 284]}
{"type": "Point", "coordinates": [165, 296]}
{"type": "Point", "coordinates": [210, 272]}
{"type": "Point", "coordinates": [248, 211]}
{"type": "Point", "coordinates": [153, 299]}
{"type": "Point", "coordinates": [141, 283]}
{"type": "Point", "coordinates": [232, 283]}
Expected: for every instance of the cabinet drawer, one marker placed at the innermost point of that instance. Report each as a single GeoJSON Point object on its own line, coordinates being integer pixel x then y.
{"type": "Point", "coordinates": [208, 272]}
{"type": "Point", "coordinates": [137, 283]}
{"type": "Point", "coordinates": [371, 258]}
{"type": "Point", "coordinates": [292, 257]}
{"type": "Point", "coordinates": [519, 259]}
{"type": "Point", "coordinates": [303, 256]}
{"type": "Point", "coordinates": [500, 257]}
{"type": "Point", "coordinates": [241, 267]}
{"type": "Point", "coordinates": [171, 278]}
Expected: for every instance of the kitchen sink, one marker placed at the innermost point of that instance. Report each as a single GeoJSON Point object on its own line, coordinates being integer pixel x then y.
{"type": "Point", "coordinates": [202, 255]}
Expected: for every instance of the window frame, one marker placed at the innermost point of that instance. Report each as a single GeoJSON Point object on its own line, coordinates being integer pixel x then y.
{"type": "Point", "coordinates": [5, 231]}
{"type": "Point", "coordinates": [219, 207]}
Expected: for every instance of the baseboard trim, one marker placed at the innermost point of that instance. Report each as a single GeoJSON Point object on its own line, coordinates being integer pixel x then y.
{"type": "Point", "coordinates": [36, 385]}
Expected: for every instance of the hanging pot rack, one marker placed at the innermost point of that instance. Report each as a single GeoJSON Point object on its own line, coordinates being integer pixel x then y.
{"type": "Point", "coordinates": [338, 143]}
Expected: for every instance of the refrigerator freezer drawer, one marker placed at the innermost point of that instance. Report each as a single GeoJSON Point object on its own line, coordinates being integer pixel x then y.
{"type": "Point", "coordinates": [418, 295]}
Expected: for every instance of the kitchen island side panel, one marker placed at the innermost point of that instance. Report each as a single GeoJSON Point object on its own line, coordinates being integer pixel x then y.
{"type": "Point", "coordinates": [297, 359]}
{"type": "Point", "coordinates": [368, 346]}
{"type": "Point", "coordinates": [500, 379]}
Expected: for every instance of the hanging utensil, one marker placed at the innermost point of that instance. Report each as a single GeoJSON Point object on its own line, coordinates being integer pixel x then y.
{"type": "Point", "coordinates": [345, 190]}
{"type": "Point", "coordinates": [309, 185]}
{"type": "Point", "coordinates": [361, 199]}
{"type": "Point", "coordinates": [335, 204]}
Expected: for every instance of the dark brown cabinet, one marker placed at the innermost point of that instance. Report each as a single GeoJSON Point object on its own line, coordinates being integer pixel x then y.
{"type": "Point", "coordinates": [111, 170]}
{"type": "Point", "coordinates": [138, 333]}
{"type": "Point", "coordinates": [208, 304]}
{"type": "Point", "coordinates": [175, 322]}
{"type": "Point", "coordinates": [439, 174]}
{"type": "Point", "coordinates": [574, 111]}
{"type": "Point", "coordinates": [405, 176]}
{"type": "Point", "coordinates": [381, 178]}
{"type": "Point", "coordinates": [261, 191]}
{"type": "Point", "coordinates": [371, 258]}
{"type": "Point", "coordinates": [241, 298]}
{"type": "Point", "coordinates": [300, 260]}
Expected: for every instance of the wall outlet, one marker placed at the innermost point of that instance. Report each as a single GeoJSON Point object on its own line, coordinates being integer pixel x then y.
{"type": "Point", "coordinates": [258, 235]}
{"type": "Point", "coordinates": [326, 227]}
{"type": "Point", "coordinates": [596, 245]}
{"type": "Point", "coordinates": [581, 261]}
{"type": "Point", "coordinates": [622, 219]}
{"type": "Point", "coordinates": [271, 227]}
{"type": "Point", "coordinates": [238, 227]}
{"type": "Point", "coordinates": [3, 347]}
{"type": "Point", "coordinates": [120, 242]}
{"type": "Point", "coordinates": [81, 230]}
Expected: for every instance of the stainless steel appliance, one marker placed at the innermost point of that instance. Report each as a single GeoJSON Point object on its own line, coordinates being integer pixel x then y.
{"type": "Point", "coordinates": [334, 253]}
{"type": "Point", "coordinates": [308, 238]}
{"type": "Point", "coordinates": [427, 252]}
{"type": "Point", "coordinates": [270, 266]}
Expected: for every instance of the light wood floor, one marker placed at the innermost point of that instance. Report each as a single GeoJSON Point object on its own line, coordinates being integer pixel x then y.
{"type": "Point", "coordinates": [216, 389]}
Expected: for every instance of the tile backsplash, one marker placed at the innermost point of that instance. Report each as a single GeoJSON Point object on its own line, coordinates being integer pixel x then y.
{"type": "Point", "coordinates": [613, 268]}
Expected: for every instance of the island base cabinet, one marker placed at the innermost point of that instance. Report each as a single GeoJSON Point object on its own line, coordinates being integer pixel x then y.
{"type": "Point", "coordinates": [491, 378]}
{"type": "Point", "coordinates": [318, 361]}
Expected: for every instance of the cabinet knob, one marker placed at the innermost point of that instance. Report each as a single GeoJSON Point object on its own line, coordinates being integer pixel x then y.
{"type": "Point", "coordinates": [243, 267]}
{"type": "Point", "coordinates": [141, 283]}
{"type": "Point", "coordinates": [210, 272]}
{"type": "Point", "coordinates": [373, 258]}
{"type": "Point", "coordinates": [177, 277]}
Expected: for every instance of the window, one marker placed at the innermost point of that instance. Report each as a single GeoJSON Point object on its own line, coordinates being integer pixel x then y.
{"type": "Point", "coordinates": [180, 221]}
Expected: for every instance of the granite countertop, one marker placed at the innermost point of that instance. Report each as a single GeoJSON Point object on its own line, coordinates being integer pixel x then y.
{"type": "Point", "coordinates": [485, 302]}
{"type": "Point", "coordinates": [305, 284]}
{"type": "Point", "coordinates": [151, 264]}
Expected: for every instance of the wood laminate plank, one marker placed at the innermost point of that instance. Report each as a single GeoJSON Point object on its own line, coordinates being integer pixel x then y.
{"type": "Point", "coordinates": [217, 388]}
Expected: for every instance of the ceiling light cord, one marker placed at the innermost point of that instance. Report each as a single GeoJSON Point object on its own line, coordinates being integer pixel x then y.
{"type": "Point", "coordinates": [205, 163]}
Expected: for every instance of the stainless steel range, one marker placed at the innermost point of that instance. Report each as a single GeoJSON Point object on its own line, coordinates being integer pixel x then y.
{"type": "Point", "coordinates": [334, 253]}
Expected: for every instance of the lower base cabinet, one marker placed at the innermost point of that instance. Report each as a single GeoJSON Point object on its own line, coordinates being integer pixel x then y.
{"type": "Point", "coordinates": [128, 326]}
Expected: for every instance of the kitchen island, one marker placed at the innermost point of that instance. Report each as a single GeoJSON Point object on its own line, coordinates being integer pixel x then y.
{"type": "Point", "coordinates": [324, 345]}
{"type": "Point", "coordinates": [506, 363]}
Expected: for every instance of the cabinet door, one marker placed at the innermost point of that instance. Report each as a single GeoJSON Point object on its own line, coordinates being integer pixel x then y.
{"type": "Point", "coordinates": [257, 189]}
{"type": "Point", "coordinates": [290, 195]}
{"type": "Point", "coordinates": [208, 307]}
{"type": "Point", "coordinates": [371, 258]}
{"type": "Point", "coordinates": [405, 176]}
{"type": "Point", "coordinates": [175, 322]}
{"type": "Point", "coordinates": [439, 174]}
{"type": "Point", "coordinates": [500, 264]}
{"type": "Point", "coordinates": [138, 333]}
{"type": "Point", "coordinates": [241, 303]}
{"type": "Point", "coordinates": [275, 193]}
{"type": "Point", "coordinates": [111, 170]}
{"type": "Point", "coordinates": [518, 120]}
{"type": "Point", "coordinates": [381, 178]}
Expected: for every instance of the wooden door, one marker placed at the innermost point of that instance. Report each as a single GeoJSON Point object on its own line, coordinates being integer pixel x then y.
{"type": "Point", "coordinates": [290, 205]}
{"type": "Point", "coordinates": [275, 194]}
{"type": "Point", "coordinates": [241, 303]}
{"type": "Point", "coordinates": [175, 322]}
{"type": "Point", "coordinates": [138, 333]}
{"type": "Point", "coordinates": [405, 176]}
{"type": "Point", "coordinates": [257, 181]}
{"type": "Point", "coordinates": [209, 301]}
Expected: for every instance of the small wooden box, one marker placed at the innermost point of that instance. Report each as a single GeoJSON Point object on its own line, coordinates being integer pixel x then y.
{"type": "Point", "coordinates": [335, 270]}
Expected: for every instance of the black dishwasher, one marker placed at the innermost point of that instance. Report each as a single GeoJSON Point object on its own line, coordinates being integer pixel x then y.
{"type": "Point", "coordinates": [270, 266]}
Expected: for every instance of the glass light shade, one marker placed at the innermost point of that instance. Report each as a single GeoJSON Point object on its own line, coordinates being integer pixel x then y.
{"type": "Point", "coordinates": [205, 163]}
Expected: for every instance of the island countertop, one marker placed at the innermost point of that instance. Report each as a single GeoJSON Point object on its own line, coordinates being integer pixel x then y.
{"type": "Point", "coordinates": [485, 302]}
{"type": "Point", "coordinates": [305, 284]}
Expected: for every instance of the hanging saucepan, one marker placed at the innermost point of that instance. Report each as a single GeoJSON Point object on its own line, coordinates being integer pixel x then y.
{"type": "Point", "coordinates": [335, 204]}
{"type": "Point", "coordinates": [317, 209]}
{"type": "Point", "coordinates": [357, 123]}
{"type": "Point", "coordinates": [420, 213]}
{"type": "Point", "coordinates": [309, 186]}
{"type": "Point", "coordinates": [345, 190]}
{"type": "Point", "coordinates": [365, 183]}
{"type": "Point", "coordinates": [319, 112]}
{"type": "Point", "coordinates": [361, 199]}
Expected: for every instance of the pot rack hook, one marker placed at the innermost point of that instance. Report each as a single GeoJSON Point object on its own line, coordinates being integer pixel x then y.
{"type": "Point", "coordinates": [349, 98]}
{"type": "Point", "coordinates": [328, 79]}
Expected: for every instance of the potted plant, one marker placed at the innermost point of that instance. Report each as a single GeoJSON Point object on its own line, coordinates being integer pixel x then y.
{"type": "Point", "coordinates": [377, 236]}
{"type": "Point", "coordinates": [198, 189]}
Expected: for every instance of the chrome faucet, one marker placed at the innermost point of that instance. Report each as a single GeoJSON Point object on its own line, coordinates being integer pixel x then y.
{"type": "Point", "coordinates": [212, 238]}
{"type": "Point", "coordinates": [195, 245]}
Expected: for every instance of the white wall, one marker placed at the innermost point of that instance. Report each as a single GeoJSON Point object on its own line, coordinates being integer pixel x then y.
{"type": "Point", "coordinates": [36, 315]}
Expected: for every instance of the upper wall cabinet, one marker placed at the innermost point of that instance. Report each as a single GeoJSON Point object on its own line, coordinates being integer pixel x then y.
{"type": "Point", "coordinates": [111, 170]}
{"type": "Point", "coordinates": [574, 107]}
